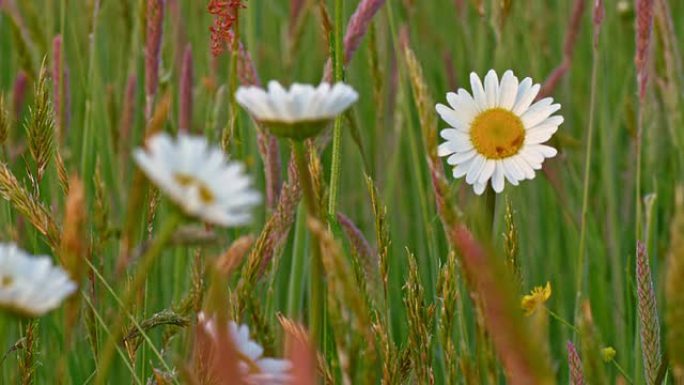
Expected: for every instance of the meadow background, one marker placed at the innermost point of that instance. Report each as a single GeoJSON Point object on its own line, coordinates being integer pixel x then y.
{"type": "Point", "coordinates": [390, 227]}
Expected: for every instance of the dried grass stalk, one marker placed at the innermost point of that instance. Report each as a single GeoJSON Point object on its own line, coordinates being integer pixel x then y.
{"type": "Point", "coordinates": [419, 319]}
{"type": "Point", "coordinates": [26, 204]}
{"type": "Point", "coordinates": [522, 359]}
{"type": "Point", "coordinates": [40, 126]}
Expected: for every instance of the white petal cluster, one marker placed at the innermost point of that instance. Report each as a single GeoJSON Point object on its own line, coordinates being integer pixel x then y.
{"type": "Point", "coordinates": [301, 103]}
{"type": "Point", "coordinates": [199, 178]}
{"type": "Point", "coordinates": [31, 285]}
{"type": "Point", "coordinates": [508, 94]}
{"type": "Point", "coordinates": [258, 370]}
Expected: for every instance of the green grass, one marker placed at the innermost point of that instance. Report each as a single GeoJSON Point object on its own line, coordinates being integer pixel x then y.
{"type": "Point", "coordinates": [547, 216]}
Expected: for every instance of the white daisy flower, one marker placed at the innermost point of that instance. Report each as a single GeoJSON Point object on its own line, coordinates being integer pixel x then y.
{"type": "Point", "coordinates": [300, 112]}
{"type": "Point", "coordinates": [497, 133]}
{"type": "Point", "coordinates": [199, 178]}
{"type": "Point", "coordinates": [258, 370]}
{"type": "Point", "coordinates": [31, 285]}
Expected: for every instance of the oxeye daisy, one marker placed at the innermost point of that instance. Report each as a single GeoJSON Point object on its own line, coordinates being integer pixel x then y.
{"type": "Point", "coordinates": [300, 112]}
{"type": "Point", "coordinates": [497, 132]}
{"type": "Point", "coordinates": [199, 178]}
{"type": "Point", "coordinates": [31, 285]}
{"type": "Point", "coordinates": [257, 369]}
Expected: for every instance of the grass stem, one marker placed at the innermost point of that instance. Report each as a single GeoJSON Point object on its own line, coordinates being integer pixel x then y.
{"type": "Point", "coordinates": [585, 187]}
{"type": "Point", "coordinates": [145, 266]}
{"type": "Point", "coordinates": [338, 71]}
{"type": "Point", "coordinates": [316, 308]}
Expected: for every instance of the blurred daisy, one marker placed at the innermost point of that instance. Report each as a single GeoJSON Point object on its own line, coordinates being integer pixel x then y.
{"type": "Point", "coordinates": [258, 370]}
{"type": "Point", "coordinates": [536, 299]}
{"type": "Point", "coordinates": [199, 178]}
{"type": "Point", "coordinates": [300, 112]}
{"type": "Point", "coordinates": [497, 133]}
{"type": "Point", "coordinates": [31, 285]}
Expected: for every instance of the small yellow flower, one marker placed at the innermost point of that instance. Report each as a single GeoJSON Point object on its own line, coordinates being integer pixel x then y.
{"type": "Point", "coordinates": [536, 298]}
{"type": "Point", "coordinates": [608, 354]}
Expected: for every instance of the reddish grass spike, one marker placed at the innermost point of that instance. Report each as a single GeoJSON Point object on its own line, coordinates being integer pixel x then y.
{"type": "Point", "coordinates": [522, 360]}
{"type": "Point", "coordinates": [155, 23]}
{"type": "Point", "coordinates": [575, 363]}
{"type": "Point", "coordinates": [356, 30]}
{"type": "Point", "coordinates": [649, 325]}
{"type": "Point", "coordinates": [644, 27]}
{"type": "Point", "coordinates": [225, 13]}
{"type": "Point", "coordinates": [571, 33]}
{"type": "Point", "coordinates": [19, 93]}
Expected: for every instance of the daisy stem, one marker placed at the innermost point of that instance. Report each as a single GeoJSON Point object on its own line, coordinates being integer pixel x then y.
{"type": "Point", "coordinates": [585, 189]}
{"type": "Point", "coordinates": [143, 270]}
{"type": "Point", "coordinates": [338, 67]}
{"type": "Point", "coordinates": [316, 285]}
{"type": "Point", "coordinates": [297, 270]}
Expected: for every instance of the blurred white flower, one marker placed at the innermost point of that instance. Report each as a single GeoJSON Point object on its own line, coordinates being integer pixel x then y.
{"type": "Point", "coordinates": [497, 133]}
{"type": "Point", "coordinates": [258, 370]}
{"type": "Point", "coordinates": [300, 112]}
{"type": "Point", "coordinates": [31, 285]}
{"type": "Point", "coordinates": [199, 178]}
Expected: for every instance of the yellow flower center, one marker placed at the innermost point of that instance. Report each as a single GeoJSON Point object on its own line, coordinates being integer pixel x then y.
{"type": "Point", "coordinates": [205, 194]}
{"type": "Point", "coordinates": [497, 133]}
{"type": "Point", "coordinates": [6, 281]}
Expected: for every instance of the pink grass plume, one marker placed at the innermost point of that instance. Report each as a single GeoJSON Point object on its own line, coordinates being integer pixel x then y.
{"type": "Point", "coordinates": [356, 30]}
{"type": "Point", "coordinates": [155, 25]}
{"type": "Point", "coordinates": [19, 93]}
{"type": "Point", "coordinates": [575, 364]}
{"type": "Point", "coordinates": [649, 325]}
{"type": "Point", "coordinates": [644, 28]}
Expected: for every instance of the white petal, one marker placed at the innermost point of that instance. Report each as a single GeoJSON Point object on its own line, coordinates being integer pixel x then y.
{"type": "Point", "coordinates": [512, 171]}
{"type": "Point", "coordinates": [450, 116]}
{"type": "Point", "coordinates": [508, 90]}
{"type": "Point", "coordinates": [546, 151]}
{"type": "Point", "coordinates": [539, 112]}
{"type": "Point", "coordinates": [525, 97]}
{"type": "Point", "coordinates": [498, 178]}
{"type": "Point", "coordinates": [461, 169]}
{"type": "Point", "coordinates": [526, 168]}
{"type": "Point", "coordinates": [478, 91]}
{"type": "Point", "coordinates": [475, 169]}
{"type": "Point", "coordinates": [487, 171]}
{"type": "Point", "coordinates": [479, 188]}
{"type": "Point", "coordinates": [461, 157]}
{"type": "Point", "coordinates": [491, 88]}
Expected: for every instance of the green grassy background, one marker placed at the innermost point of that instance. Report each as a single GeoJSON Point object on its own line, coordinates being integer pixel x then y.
{"type": "Point", "coordinates": [547, 216]}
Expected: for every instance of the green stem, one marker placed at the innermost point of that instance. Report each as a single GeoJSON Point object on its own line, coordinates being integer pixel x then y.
{"type": "Point", "coordinates": [637, 178]}
{"type": "Point", "coordinates": [585, 189]}
{"type": "Point", "coordinates": [294, 296]}
{"type": "Point", "coordinates": [145, 266]}
{"type": "Point", "coordinates": [622, 371]}
{"type": "Point", "coordinates": [338, 66]}
{"type": "Point", "coordinates": [316, 309]}
{"type": "Point", "coordinates": [561, 320]}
